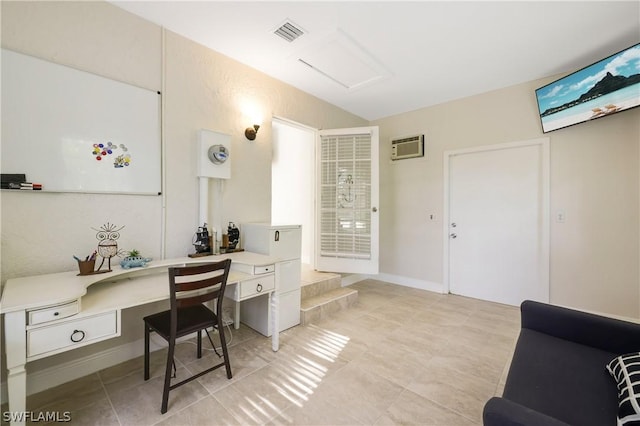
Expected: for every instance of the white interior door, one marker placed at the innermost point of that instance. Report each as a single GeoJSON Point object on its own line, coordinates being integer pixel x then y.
{"type": "Point", "coordinates": [498, 245]}
{"type": "Point", "coordinates": [347, 200]}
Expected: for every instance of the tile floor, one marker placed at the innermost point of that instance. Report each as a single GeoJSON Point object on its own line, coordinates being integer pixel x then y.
{"type": "Point", "coordinates": [400, 356]}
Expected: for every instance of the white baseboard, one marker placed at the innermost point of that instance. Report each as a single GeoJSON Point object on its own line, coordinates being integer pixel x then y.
{"type": "Point", "coordinates": [395, 279]}
{"type": "Point", "coordinates": [71, 370]}
{"type": "Point", "coordinates": [352, 279]}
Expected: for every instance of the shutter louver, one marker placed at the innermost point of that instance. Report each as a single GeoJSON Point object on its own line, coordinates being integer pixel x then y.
{"type": "Point", "coordinates": [345, 203]}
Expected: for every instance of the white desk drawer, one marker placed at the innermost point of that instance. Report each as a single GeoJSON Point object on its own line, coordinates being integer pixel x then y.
{"type": "Point", "coordinates": [257, 270]}
{"type": "Point", "coordinates": [68, 334]}
{"type": "Point", "coordinates": [253, 269]}
{"type": "Point", "coordinates": [256, 286]}
{"type": "Point", "coordinates": [51, 313]}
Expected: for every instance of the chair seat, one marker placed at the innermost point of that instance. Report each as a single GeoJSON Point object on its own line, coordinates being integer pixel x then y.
{"type": "Point", "coordinates": [190, 320]}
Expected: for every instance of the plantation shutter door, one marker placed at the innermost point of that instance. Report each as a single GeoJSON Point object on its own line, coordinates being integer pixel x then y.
{"type": "Point", "coordinates": [347, 199]}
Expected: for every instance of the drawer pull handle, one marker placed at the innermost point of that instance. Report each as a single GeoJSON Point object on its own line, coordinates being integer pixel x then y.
{"type": "Point", "coordinates": [259, 288]}
{"type": "Point", "coordinates": [80, 332]}
{"type": "Point", "coordinates": [55, 314]}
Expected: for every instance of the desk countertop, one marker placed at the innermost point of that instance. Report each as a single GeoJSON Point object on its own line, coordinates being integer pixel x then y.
{"type": "Point", "coordinates": [51, 289]}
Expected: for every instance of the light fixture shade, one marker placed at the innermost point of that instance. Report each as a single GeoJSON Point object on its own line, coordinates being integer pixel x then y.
{"type": "Point", "coordinates": [251, 132]}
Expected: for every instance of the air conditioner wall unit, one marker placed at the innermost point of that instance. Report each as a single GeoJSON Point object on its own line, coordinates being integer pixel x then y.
{"type": "Point", "coordinates": [407, 147]}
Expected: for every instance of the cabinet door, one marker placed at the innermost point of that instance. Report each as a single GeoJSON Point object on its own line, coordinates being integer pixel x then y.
{"type": "Point", "coordinates": [289, 310]}
{"type": "Point", "coordinates": [285, 243]}
{"type": "Point", "coordinates": [288, 275]}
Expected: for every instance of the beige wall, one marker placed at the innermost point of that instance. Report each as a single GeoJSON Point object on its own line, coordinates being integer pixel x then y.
{"type": "Point", "coordinates": [594, 179]}
{"type": "Point", "coordinates": [201, 89]}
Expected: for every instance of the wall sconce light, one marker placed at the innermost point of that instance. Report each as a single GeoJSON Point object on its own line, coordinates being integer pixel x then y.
{"type": "Point", "coordinates": [251, 132]}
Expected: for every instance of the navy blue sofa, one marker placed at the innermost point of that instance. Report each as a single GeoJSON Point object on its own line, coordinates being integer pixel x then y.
{"type": "Point", "coordinates": [558, 373]}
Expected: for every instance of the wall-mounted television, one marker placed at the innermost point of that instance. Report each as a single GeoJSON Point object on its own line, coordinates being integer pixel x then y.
{"type": "Point", "coordinates": [606, 87]}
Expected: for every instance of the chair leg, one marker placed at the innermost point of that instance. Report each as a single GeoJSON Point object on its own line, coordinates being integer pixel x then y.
{"type": "Point", "coordinates": [225, 352]}
{"type": "Point", "coordinates": [146, 352]}
{"type": "Point", "coordinates": [211, 341]}
{"type": "Point", "coordinates": [199, 343]}
{"type": "Point", "coordinates": [167, 376]}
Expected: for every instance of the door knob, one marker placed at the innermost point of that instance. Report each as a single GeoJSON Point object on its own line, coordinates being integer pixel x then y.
{"type": "Point", "coordinates": [454, 236]}
{"type": "Point", "coordinates": [374, 209]}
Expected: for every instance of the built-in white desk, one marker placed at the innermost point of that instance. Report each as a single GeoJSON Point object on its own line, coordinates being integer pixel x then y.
{"type": "Point", "coordinates": [53, 313]}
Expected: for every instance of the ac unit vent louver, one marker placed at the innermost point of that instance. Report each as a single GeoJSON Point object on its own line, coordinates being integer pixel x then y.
{"type": "Point", "coordinates": [407, 147]}
{"type": "Point", "coordinates": [288, 31]}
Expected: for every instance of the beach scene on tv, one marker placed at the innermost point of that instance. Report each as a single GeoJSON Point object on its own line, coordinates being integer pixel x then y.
{"type": "Point", "coordinates": [606, 87]}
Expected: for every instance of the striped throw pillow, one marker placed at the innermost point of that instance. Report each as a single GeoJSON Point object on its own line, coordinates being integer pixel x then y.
{"type": "Point", "coordinates": [625, 369]}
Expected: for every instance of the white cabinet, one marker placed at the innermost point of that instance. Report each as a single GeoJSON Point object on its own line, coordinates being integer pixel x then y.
{"type": "Point", "coordinates": [288, 275]}
{"type": "Point", "coordinates": [284, 243]}
{"type": "Point", "coordinates": [289, 317]}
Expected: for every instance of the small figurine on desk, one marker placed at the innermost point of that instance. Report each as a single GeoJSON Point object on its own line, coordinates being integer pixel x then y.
{"type": "Point", "coordinates": [134, 260]}
{"type": "Point", "coordinates": [234, 236]}
{"type": "Point", "coordinates": [201, 242]}
{"type": "Point", "coordinates": [107, 247]}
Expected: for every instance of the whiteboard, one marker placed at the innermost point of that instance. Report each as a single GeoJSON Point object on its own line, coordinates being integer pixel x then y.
{"type": "Point", "coordinates": [73, 131]}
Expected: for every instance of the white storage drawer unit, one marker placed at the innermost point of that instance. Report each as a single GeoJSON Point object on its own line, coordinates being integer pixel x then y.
{"type": "Point", "coordinates": [289, 317]}
{"type": "Point", "coordinates": [288, 275]}
{"type": "Point", "coordinates": [255, 310]}
{"type": "Point", "coordinates": [284, 243]}
{"type": "Point", "coordinates": [65, 334]}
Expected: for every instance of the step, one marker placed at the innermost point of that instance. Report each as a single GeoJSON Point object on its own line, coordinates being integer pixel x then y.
{"type": "Point", "coordinates": [323, 283]}
{"type": "Point", "coordinates": [321, 306]}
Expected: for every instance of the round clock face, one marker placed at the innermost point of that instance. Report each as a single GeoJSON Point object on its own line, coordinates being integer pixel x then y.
{"type": "Point", "coordinates": [218, 154]}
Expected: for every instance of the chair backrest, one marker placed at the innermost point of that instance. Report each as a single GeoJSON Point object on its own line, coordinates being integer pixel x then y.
{"type": "Point", "coordinates": [192, 285]}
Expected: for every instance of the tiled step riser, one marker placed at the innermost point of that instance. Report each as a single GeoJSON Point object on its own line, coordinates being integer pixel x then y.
{"type": "Point", "coordinates": [325, 310]}
{"type": "Point", "coordinates": [314, 289]}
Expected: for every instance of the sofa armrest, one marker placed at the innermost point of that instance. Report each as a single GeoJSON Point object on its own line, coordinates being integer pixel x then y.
{"type": "Point", "coordinates": [597, 331]}
{"type": "Point", "coordinates": [502, 412]}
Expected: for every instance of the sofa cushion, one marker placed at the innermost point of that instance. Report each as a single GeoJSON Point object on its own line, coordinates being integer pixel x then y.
{"type": "Point", "coordinates": [562, 379]}
{"type": "Point", "coordinates": [625, 369]}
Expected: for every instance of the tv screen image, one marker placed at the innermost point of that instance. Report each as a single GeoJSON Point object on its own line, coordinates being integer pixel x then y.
{"type": "Point", "coordinates": [606, 87]}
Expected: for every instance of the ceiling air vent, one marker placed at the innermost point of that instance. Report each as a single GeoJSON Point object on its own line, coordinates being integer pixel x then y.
{"type": "Point", "coordinates": [288, 31]}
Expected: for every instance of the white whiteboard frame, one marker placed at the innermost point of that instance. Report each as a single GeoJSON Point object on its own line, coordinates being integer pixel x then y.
{"type": "Point", "coordinates": [53, 115]}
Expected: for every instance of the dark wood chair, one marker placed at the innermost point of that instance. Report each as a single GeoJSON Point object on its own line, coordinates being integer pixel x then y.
{"type": "Point", "coordinates": [190, 287]}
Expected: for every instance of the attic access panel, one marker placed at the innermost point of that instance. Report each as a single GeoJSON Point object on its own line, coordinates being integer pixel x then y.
{"type": "Point", "coordinates": [340, 59]}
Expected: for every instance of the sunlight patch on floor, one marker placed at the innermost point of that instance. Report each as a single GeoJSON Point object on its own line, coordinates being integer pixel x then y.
{"type": "Point", "coordinates": [301, 378]}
